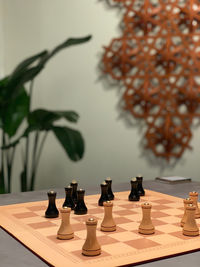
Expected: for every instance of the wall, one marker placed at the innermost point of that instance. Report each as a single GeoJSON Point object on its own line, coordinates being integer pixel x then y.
{"type": "Point", "coordinates": [1, 41]}
{"type": "Point", "coordinates": [72, 81]}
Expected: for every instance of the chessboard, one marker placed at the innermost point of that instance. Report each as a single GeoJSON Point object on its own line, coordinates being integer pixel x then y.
{"type": "Point", "coordinates": [26, 223]}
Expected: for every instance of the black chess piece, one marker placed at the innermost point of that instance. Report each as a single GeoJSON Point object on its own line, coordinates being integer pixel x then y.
{"type": "Point", "coordinates": [140, 186]}
{"type": "Point", "coordinates": [74, 186]}
{"type": "Point", "coordinates": [68, 198]}
{"type": "Point", "coordinates": [110, 193]}
{"type": "Point", "coordinates": [52, 211]}
{"type": "Point", "coordinates": [80, 207]}
{"type": "Point", "coordinates": [104, 194]}
{"type": "Point", "coordinates": [134, 194]}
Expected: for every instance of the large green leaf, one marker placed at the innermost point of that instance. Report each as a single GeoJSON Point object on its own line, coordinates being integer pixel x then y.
{"type": "Point", "coordinates": [29, 68]}
{"type": "Point", "coordinates": [69, 42]}
{"type": "Point", "coordinates": [42, 119]}
{"type": "Point", "coordinates": [71, 140]}
{"type": "Point", "coordinates": [21, 67]}
{"type": "Point", "coordinates": [15, 112]}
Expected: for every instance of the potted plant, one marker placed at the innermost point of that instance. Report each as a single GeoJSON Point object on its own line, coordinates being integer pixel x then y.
{"type": "Point", "coordinates": [16, 92]}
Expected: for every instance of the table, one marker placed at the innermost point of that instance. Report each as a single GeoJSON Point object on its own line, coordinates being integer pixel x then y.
{"type": "Point", "coordinates": [12, 253]}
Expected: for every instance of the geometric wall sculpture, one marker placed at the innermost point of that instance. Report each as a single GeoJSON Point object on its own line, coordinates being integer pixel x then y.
{"type": "Point", "coordinates": [157, 59]}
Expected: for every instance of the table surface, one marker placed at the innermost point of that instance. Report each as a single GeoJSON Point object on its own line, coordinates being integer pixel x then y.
{"type": "Point", "coordinates": [13, 253]}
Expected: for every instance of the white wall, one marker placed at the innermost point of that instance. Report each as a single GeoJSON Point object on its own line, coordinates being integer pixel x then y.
{"type": "Point", "coordinates": [1, 40]}
{"type": "Point", "coordinates": [72, 81]}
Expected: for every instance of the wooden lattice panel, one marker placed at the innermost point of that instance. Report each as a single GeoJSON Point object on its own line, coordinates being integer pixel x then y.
{"type": "Point", "coordinates": [157, 59]}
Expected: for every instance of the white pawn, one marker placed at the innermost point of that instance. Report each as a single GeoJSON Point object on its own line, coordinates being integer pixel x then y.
{"type": "Point", "coordinates": [91, 246]}
{"type": "Point", "coordinates": [65, 231]}
{"type": "Point", "coordinates": [108, 223]}
{"type": "Point", "coordinates": [146, 227]}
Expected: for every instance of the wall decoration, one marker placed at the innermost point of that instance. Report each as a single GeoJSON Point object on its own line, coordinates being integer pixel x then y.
{"type": "Point", "coordinates": [157, 59]}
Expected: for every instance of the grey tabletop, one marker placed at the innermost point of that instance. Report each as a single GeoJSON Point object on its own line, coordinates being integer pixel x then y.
{"type": "Point", "coordinates": [13, 253]}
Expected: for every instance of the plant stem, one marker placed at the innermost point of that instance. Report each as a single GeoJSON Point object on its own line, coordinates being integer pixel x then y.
{"type": "Point", "coordinates": [36, 161]}
{"type": "Point", "coordinates": [25, 173]}
{"type": "Point", "coordinates": [9, 168]}
{"type": "Point", "coordinates": [35, 146]}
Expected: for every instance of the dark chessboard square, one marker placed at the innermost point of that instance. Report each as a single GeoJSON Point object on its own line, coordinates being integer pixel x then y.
{"type": "Point", "coordinates": [24, 215]}
{"type": "Point", "coordinates": [37, 208]}
{"type": "Point", "coordinates": [79, 254]}
{"type": "Point", "coordinates": [157, 222]}
{"type": "Point", "coordinates": [159, 207]}
{"type": "Point", "coordinates": [180, 235]}
{"type": "Point", "coordinates": [129, 205]}
{"type": "Point", "coordinates": [124, 212]}
{"type": "Point", "coordinates": [121, 220]}
{"type": "Point", "coordinates": [163, 201]}
{"type": "Point", "coordinates": [78, 226]}
{"type": "Point", "coordinates": [96, 210]}
{"type": "Point", "coordinates": [142, 243]}
{"type": "Point", "coordinates": [158, 214]}
{"type": "Point", "coordinates": [42, 225]}
{"type": "Point", "coordinates": [106, 239]}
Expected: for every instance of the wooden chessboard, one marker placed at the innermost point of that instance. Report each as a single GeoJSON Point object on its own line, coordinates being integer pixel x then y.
{"type": "Point", "coordinates": [26, 222]}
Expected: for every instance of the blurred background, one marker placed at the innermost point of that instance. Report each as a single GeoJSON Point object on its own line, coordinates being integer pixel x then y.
{"type": "Point", "coordinates": [73, 81]}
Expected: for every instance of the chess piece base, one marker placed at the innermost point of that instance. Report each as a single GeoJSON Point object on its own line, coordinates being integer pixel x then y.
{"type": "Point", "coordinates": [65, 236]}
{"type": "Point", "coordinates": [146, 231]}
{"type": "Point", "coordinates": [91, 252]}
{"type": "Point", "coordinates": [190, 233]}
{"type": "Point", "coordinates": [108, 228]}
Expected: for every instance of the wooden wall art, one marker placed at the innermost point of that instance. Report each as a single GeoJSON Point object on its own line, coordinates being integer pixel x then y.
{"type": "Point", "coordinates": [157, 59]}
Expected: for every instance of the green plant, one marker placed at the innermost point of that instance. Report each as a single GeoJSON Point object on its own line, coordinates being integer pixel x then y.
{"type": "Point", "coordinates": [16, 92]}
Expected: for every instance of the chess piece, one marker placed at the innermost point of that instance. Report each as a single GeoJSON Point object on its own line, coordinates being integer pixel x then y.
{"type": "Point", "coordinates": [80, 207]}
{"type": "Point", "coordinates": [65, 231]}
{"type": "Point", "coordinates": [108, 223]}
{"type": "Point", "coordinates": [104, 193]}
{"type": "Point", "coordinates": [91, 246]}
{"type": "Point", "coordinates": [74, 186]}
{"type": "Point", "coordinates": [134, 194]}
{"type": "Point", "coordinates": [146, 227]}
{"type": "Point", "coordinates": [194, 197]}
{"type": "Point", "coordinates": [110, 193]}
{"type": "Point", "coordinates": [68, 198]}
{"type": "Point", "coordinates": [190, 227]}
{"type": "Point", "coordinates": [52, 211]}
{"type": "Point", "coordinates": [140, 186]}
{"type": "Point", "coordinates": [186, 202]}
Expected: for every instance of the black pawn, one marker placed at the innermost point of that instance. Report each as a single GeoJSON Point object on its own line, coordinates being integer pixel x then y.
{"type": "Point", "coordinates": [104, 193]}
{"type": "Point", "coordinates": [80, 207]}
{"type": "Point", "coordinates": [110, 193]}
{"type": "Point", "coordinates": [140, 187]}
{"type": "Point", "coordinates": [68, 198]}
{"type": "Point", "coordinates": [134, 194]}
{"type": "Point", "coordinates": [52, 211]}
{"type": "Point", "coordinates": [74, 186]}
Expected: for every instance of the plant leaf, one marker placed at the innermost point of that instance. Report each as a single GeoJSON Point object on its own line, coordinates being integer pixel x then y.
{"type": "Point", "coordinates": [42, 119]}
{"type": "Point", "coordinates": [69, 42]}
{"type": "Point", "coordinates": [21, 67]}
{"type": "Point", "coordinates": [71, 140]}
{"type": "Point", "coordinates": [15, 112]}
